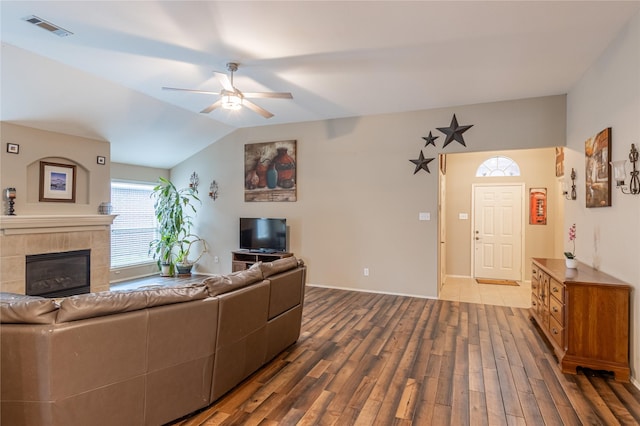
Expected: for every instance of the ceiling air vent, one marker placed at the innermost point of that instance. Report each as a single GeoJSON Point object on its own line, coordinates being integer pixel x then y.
{"type": "Point", "coordinates": [47, 26]}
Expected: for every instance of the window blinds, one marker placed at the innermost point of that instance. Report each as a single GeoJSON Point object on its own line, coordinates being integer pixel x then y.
{"type": "Point", "coordinates": [135, 225]}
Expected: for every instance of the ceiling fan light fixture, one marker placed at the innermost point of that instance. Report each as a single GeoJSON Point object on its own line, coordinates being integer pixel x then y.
{"type": "Point", "coordinates": [231, 101]}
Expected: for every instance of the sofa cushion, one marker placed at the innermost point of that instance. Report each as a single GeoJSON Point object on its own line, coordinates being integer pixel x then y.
{"type": "Point", "coordinates": [220, 284]}
{"type": "Point", "coordinates": [21, 309]}
{"type": "Point", "coordinates": [277, 266]}
{"type": "Point", "coordinates": [112, 302]}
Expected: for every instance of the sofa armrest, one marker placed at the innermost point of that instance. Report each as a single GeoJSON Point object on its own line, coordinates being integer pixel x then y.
{"type": "Point", "coordinates": [278, 266]}
{"type": "Point", "coordinates": [222, 284]}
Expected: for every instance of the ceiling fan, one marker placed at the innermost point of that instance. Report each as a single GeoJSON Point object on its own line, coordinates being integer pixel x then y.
{"type": "Point", "coordinates": [234, 99]}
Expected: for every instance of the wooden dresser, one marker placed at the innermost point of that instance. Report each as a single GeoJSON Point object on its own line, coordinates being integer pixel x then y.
{"type": "Point", "coordinates": [584, 314]}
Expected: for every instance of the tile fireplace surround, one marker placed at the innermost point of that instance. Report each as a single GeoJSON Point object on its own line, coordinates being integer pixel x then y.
{"type": "Point", "coordinates": [26, 235]}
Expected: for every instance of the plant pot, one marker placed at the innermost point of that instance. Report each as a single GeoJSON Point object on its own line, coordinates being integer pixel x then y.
{"type": "Point", "coordinates": [184, 268]}
{"type": "Point", "coordinates": [571, 263]}
{"type": "Point", "coordinates": [165, 270]}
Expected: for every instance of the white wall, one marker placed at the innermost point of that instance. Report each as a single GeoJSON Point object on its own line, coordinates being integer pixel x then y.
{"type": "Point", "coordinates": [358, 199]}
{"type": "Point", "coordinates": [608, 95]}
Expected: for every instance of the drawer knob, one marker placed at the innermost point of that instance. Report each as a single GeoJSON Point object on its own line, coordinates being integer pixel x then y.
{"type": "Point", "coordinates": [555, 331]}
{"type": "Point", "coordinates": [555, 289]}
{"type": "Point", "coordinates": [555, 309]}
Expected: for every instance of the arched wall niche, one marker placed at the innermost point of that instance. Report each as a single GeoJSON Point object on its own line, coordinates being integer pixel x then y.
{"type": "Point", "coordinates": [82, 179]}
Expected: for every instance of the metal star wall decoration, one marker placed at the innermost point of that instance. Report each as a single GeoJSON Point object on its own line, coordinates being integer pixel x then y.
{"type": "Point", "coordinates": [422, 163]}
{"type": "Point", "coordinates": [431, 140]}
{"type": "Point", "coordinates": [454, 132]}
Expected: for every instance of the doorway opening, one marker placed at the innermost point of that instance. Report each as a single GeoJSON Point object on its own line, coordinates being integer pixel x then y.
{"type": "Point", "coordinates": [462, 258]}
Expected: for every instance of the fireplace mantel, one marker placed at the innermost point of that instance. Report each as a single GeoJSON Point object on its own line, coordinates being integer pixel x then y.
{"type": "Point", "coordinates": [39, 224]}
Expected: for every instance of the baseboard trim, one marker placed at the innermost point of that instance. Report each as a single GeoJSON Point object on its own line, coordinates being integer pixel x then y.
{"type": "Point", "coordinates": [360, 290]}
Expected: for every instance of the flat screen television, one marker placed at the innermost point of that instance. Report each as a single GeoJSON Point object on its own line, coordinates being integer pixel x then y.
{"type": "Point", "coordinates": [263, 234]}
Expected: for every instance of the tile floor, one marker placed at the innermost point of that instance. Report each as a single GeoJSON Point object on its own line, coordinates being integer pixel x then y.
{"type": "Point", "coordinates": [465, 289]}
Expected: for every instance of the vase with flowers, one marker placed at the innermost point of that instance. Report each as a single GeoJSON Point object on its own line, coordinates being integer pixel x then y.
{"type": "Point", "coordinates": [570, 256]}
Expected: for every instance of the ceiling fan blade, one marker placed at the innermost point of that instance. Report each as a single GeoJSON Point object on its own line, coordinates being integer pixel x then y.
{"type": "Point", "coordinates": [253, 107]}
{"type": "Point", "coordinates": [211, 107]}
{"type": "Point", "coordinates": [224, 81]}
{"type": "Point", "coordinates": [191, 90]}
{"type": "Point", "coordinates": [275, 95]}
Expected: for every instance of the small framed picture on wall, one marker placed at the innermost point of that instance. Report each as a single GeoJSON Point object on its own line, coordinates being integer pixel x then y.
{"type": "Point", "coordinates": [13, 148]}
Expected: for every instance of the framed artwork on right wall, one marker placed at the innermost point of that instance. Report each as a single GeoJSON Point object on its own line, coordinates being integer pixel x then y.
{"type": "Point", "coordinates": [559, 161]}
{"type": "Point", "coordinates": [597, 154]}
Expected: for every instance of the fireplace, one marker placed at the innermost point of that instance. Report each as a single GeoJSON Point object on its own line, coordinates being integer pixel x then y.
{"type": "Point", "coordinates": [58, 274]}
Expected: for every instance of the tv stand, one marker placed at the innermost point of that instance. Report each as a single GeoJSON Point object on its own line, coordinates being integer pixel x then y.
{"type": "Point", "coordinates": [243, 259]}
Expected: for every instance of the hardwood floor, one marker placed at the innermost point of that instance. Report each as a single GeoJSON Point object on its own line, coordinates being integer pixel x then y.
{"type": "Point", "coordinates": [372, 359]}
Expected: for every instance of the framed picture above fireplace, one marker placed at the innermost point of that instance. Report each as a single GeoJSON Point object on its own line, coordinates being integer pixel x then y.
{"type": "Point", "coordinates": [57, 182]}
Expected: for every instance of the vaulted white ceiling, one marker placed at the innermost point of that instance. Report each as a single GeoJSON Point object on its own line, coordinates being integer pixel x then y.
{"type": "Point", "coordinates": [338, 59]}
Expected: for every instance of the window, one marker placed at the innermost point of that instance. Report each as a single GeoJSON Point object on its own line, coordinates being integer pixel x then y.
{"type": "Point", "coordinates": [135, 226]}
{"type": "Point", "coordinates": [498, 166]}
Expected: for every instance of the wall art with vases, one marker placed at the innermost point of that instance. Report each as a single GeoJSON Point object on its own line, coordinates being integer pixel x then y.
{"type": "Point", "coordinates": [270, 171]}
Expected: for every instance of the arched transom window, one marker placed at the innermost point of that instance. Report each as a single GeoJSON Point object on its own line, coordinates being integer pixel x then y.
{"type": "Point", "coordinates": [498, 166]}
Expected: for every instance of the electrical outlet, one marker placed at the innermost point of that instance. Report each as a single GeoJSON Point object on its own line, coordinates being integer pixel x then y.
{"type": "Point", "coordinates": [366, 272]}
{"type": "Point", "coordinates": [215, 259]}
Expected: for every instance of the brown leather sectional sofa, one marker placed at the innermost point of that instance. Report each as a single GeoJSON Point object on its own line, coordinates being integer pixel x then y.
{"type": "Point", "coordinates": [143, 357]}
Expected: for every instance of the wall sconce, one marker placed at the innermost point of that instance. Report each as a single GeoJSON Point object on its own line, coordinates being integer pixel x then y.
{"type": "Point", "coordinates": [213, 190]}
{"type": "Point", "coordinates": [194, 181]}
{"type": "Point", "coordinates": [620, 173]}
{"type": "Point", "coordinates": [10, 195]}
{"type": "Point", "coordinates": [573, 194]}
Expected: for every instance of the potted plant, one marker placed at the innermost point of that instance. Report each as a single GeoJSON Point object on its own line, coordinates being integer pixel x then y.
{"type": "Point", "coordinates": [173, 210]}
{"type": "Point", "coordinates": [183, 262]}
{"type": "Point", "coordinates": [571, 261]}
{"type": "Point", "coordinates": [163, 252]}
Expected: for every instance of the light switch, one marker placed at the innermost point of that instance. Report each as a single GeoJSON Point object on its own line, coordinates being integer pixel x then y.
{"type": "Point", "coordinates": [424, 216]}
{"type": "Point", "coordinates": [463, 216]}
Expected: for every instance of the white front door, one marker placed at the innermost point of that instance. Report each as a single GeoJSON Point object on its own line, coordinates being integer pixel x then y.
{"type": "Point", "coordinates": [497, 237]}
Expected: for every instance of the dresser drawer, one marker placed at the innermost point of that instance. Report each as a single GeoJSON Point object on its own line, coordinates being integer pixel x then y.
{"type": "Point", "coordinates": [535, 285]}
{"type": "Point", "coordinates": [557, 332]}
{"type": "Point", "coordinates": [535, 304]}
{"type": "Point", "coordinates": [557, 310]}
{"type": "Point", "coordinates": [556, 289]}
{"type": "Point", "coordinates": [535, 272]}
